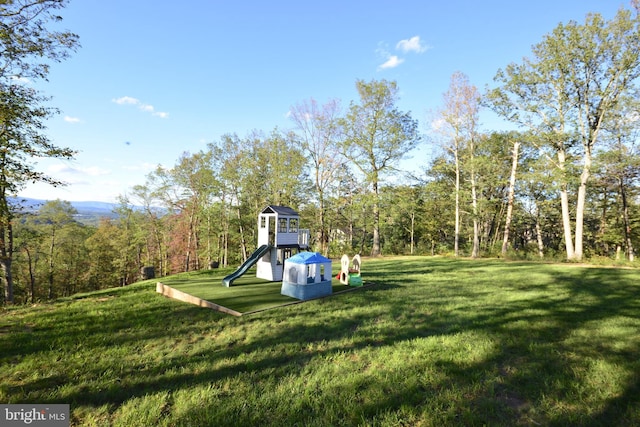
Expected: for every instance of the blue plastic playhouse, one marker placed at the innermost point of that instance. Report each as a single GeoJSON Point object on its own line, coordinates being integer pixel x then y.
{"type": "Point", "coordinates": [307, 275]}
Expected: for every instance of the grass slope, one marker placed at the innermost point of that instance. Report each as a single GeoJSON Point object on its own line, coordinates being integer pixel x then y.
{"type": "Point", "coordinates": [437, 342]}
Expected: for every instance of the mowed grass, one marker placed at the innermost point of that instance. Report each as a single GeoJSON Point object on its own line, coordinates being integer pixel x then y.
{"type": "Point", "coordinates": [246, 294]}
{"type": "Point", "coordinates": [436, 341]}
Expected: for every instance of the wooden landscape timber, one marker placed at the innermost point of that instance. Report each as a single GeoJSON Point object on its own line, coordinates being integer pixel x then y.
{"type": "Point", "coordinates": [170, 292]}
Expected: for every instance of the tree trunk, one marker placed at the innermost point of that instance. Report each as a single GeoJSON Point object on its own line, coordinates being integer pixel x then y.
{"type": "Point", "coordinates": [324, 235]}
{"type": "Point", "coordinates": [243, 243]}
{"type": "Point", "coordinates": [6, 257]}
{"type": "Point", "coordinates": [512, 185]}
{"type": "Point", "coordinates": [580, 206]}
{"type": "Point", "coordinates": [627, 223]}
{"type": "Point", "coordinates": [413, 223]}
{"type": "Point", "coordinates": [32, 279]}
{"type": "Point", "coordinates": [566, 223]}
{"type": "Point", "coordinates": [496, 229]}
{"type": "Point", "coordinates": [564, 203]}
{"type": "Point", "coordinates": [192, 242]}
{"type": "Point", "coordinates": [209, 246]}
{"type": "Point", "coordinates": [364, 230]}
{"type": "Point", "coordinates": [51, 265]}
{"type": "Point", "coordinates": [375, 249]}
{"type": "Point", "coordinates": [225, 234]}
{"type": "Point", "coordinates": [539, 233]}
{"type": "Point", "coordinates": [5, 266]}
{"type": "Point", "coordinates": [351, 231]}
{"type": "Point", "coordinates": [456, 244]}
{"type": "Point", "coordinates": [475, 251]}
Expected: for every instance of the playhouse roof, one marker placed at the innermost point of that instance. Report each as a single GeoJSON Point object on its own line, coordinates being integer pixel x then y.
{"type": "Point", "coordinates": [308, 258]}
{"type": "Point", "coordinates": [280, 210]}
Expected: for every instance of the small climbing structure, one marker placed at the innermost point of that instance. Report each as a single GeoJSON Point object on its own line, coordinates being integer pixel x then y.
{"type": "Point", "coordinates": [350, 270]}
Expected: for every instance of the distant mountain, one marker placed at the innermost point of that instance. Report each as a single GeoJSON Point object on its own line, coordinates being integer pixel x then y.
{"type": "Point", "coordinates": [88, 212]}
{"type": "Point", "coordinates": [94, 207]}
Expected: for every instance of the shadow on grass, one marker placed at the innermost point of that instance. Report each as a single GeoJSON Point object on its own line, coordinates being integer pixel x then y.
{"type": "Point", "coordinates": [549, 336]}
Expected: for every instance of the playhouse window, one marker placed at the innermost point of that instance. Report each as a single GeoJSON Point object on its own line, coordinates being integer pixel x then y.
{"type": "Point", "coordinates": [282, 225]}
{"type": "Point", "coordinates": [293, 225]}
{"type": "Point", "coordinates": [293, 275]}
{"type": "Point", "coordinates": [263, 222]}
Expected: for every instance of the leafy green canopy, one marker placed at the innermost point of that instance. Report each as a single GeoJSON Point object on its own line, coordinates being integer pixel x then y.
{"type": "Point", "coordinates": [27, 47]}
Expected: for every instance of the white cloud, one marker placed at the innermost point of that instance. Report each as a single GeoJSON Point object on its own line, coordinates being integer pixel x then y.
{"type": "Point", "coordinates": [392, 62]}
{"type": "Point", "coordinates": [21, 80]}
{"type": "Point", "coordinates": [126, 100]}
{"type": "Point", "coordinates": [70, 119]}
{"type": "Point", "coordinates": [411, 45]}
{"type": "Point", "coordinates": [406, 46]}
{"type": "Point", "coordinates": [63, 169]}
{"type": "Point", "coordinates": [147, 108]}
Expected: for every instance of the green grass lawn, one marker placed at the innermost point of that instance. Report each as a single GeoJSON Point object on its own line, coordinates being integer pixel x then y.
{"type": "Point", "coordinates": [436, 341]}
{"type": "Point", "coordinates": [247, 293]}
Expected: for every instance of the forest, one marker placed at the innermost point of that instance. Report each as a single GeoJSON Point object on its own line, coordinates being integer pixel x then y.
{"type": "Point", "coordinates": [563, 186]}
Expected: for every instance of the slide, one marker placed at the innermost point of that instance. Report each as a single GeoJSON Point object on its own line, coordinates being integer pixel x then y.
{"type": "Point", "coordinates": [259, 253]}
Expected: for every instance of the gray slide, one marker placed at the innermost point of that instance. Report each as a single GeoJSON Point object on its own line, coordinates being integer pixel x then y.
{"type": "Point", "coordinates": [255, 256]}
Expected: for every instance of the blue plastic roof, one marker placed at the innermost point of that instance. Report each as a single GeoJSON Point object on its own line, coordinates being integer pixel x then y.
{"type": "Point", "coordinates": [308, 258]}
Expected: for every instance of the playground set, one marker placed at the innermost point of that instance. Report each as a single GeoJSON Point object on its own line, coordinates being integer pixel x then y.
{"type": "Point", "coordinates": [282, 254]}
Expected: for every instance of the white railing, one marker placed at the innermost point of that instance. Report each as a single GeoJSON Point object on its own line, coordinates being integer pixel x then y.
{"type": "Point", "coordinates": [304, 236]}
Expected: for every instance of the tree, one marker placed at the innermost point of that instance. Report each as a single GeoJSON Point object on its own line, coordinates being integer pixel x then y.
{"type": "Point", "coordinates": [194, 177]}
{"type": "Point", "coordinates": [492, 165]}
{"type": "Point", "coordinates": [152, 228]}
{"type": "Point", "coordinates": [27, 242]}
{"type": "Point", "coordinates": [229, 157]}
{"type": "Point", "coordinates": [277, 167]}
{"type": "Point", "coordinates": [566, 93]}
{"type": "Point", "coordinates": [254, 172]}
{"type": "Point", "coordinates": [104, 253]}
{"type": "Point", "coordinates": [458, 122]}
{"type": "Point", "coordinates": [27, 48]}
{"type": "Point", "coordinates": [403, 205]}
{"type": "Point", "coordinates": [620, 168]}
{"type": "Point", "coordinates": [376, 136]}
{"type": "Point", "coordinates": [515, 151]}
{"type": "Point", "coordinates": [318, 133]}
{"type": "Point", "coordinates": [52, 218]}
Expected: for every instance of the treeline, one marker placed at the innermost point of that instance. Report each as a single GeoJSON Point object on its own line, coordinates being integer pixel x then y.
{"type": "Point", "coordinates": [202, 213]}
{"type": "Point", "coordinates": [564, 186]}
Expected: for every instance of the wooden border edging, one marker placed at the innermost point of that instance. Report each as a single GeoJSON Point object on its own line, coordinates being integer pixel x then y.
{"type": "Point", "coordinates": [170, 292]}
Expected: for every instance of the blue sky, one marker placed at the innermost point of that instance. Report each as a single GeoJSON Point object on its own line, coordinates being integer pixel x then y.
{"type": "Point", "coordinates": [155, 79]}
